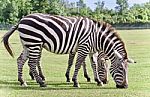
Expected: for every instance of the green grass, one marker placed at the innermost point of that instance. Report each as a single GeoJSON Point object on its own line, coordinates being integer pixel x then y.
{"type": "Point", "coordinates": [54, 67]}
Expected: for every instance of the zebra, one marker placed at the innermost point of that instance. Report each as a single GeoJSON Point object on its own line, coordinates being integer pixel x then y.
{"type": "Point", "coordinates": [64, 35]}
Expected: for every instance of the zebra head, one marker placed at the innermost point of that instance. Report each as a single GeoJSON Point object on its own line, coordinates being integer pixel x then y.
{"type": "Point", "coordinates": [119, 70]}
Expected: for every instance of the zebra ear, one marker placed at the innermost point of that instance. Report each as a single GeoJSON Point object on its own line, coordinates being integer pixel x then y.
{"type": "Point", "coordinates": [130, 60]}
{"type": "Point", "coordinates": [116, 53]}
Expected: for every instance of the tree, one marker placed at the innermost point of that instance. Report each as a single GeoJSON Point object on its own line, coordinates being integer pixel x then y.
{"type": "Point", "coordinates": [99, 15]}
{"type": "Point", "coordinates": [9, 13]}
{"type": "Point", "coordinates": [147, 10]}
{"type": "Point", "coordinates": [99, 6]}
{"type": "Point", "coordinates": [13, 10]}
{"type": "Point", "coordinates": [82, 8]}
{"type": "Point", "coordinates": [39, 5]}
{"type": "Point", "coordinates": [3, 3]}
{"type": "Point", "coordinates": [56, 7]}
{"type": "Point", "coordinates": [72, 9]}
{"type": "Point", "coordinates": [140, 13]}
{"type": "Point", "coordinates": [122, 6]}
{"type": "Point", "coordinates": [24, 8]}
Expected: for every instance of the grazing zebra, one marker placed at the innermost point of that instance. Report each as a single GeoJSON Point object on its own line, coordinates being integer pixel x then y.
{"type": "Point", "coordinates": [64, 35]}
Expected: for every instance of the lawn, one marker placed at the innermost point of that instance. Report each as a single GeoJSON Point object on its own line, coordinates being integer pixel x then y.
{"type": "Point", "coordinates": [54, 67]}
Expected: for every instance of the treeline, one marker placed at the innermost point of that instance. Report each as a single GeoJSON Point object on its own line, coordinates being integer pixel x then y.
{"type": "Point", "coordinates": [13, 10]}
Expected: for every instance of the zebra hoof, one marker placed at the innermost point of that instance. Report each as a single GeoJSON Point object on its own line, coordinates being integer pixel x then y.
{"type": "Point", "coordinates": [68, 80]}
{"type": "Point", "coordinates": [43, 85]}
{"type": "Point", "coordinates": [24, 84]}
{"type": "Point", "coordinates": [67, 77]}
{"type": "Point", "coordinates": [105, 81]}
{"type": "Point", "coordinates": [76, 85]}
{"type": "Point", "coordinates": [100, 84]}
{"type": "Point", "coordinates": [122, 87]}
{"type": "Point", "coordinates": [88, 80]}
{"type": "Point", "coordinates": [33, 78]}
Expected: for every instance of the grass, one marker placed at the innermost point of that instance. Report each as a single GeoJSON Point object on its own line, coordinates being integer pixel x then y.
{"type": "Point", "coordinates": [54, 67]}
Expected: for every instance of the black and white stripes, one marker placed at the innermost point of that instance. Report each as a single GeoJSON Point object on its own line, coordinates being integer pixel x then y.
{"type": "Point", "coordinates": [64, 35]}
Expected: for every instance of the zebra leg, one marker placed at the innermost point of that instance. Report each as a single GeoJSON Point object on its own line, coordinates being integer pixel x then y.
{"type": "Point", "coordinates": [39, 69]}
{"type": "Point", "coordinates": [85, 72]}
{"type": "Point", "coordinates": [107, 71]}
{"type": "Point", "coordinates": [31, 75]}
{"type": "Point", "coordinates": [70, 63]}
{"type": "Point", "coordinates": [20, 62]}
{"type": "Point", "coordinates": [80, 59]}
{"type": "Point", "coordinates": [93, 60]}
{"type": "Point", "coordinates": [34, 56]}
{"type": "Point", "coordinates": [40, 72]}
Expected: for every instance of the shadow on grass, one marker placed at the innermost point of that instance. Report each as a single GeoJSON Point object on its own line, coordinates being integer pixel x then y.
{"type": "Point", "coordinates": [50, 86]}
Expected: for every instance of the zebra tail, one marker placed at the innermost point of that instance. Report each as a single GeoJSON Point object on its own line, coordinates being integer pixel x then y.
{"type": "Point", "coordinates": [6, 37]}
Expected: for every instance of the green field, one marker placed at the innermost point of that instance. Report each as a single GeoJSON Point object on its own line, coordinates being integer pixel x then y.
{"type": "Point", "coordinates": [54, 67]}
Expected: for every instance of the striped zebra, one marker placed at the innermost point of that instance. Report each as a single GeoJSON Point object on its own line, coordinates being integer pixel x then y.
{"type": "Point", "coordinates": [64, 35]}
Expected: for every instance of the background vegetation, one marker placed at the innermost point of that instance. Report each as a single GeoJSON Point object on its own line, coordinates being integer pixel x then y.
{"type": "Point", "coordinates": [54, 67]}
{"type": "Point", "coordinates": [13, 10]}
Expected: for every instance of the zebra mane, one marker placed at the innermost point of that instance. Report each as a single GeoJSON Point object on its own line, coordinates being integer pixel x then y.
{"type": "Point", "coordinates": [111, 29]}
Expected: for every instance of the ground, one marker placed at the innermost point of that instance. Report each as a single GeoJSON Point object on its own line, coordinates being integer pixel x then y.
{"type": "Point", "coordinates": [54, 67]}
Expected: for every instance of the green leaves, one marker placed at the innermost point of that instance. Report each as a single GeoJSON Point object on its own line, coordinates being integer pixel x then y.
{"type": "Point", "coordinates": [13, 10]}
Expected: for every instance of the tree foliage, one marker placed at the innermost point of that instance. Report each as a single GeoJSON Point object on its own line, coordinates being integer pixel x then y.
{"type": "Point", "coordinates": [122, 6]}
{"type": "Point", "coordinates": [12, 11]}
